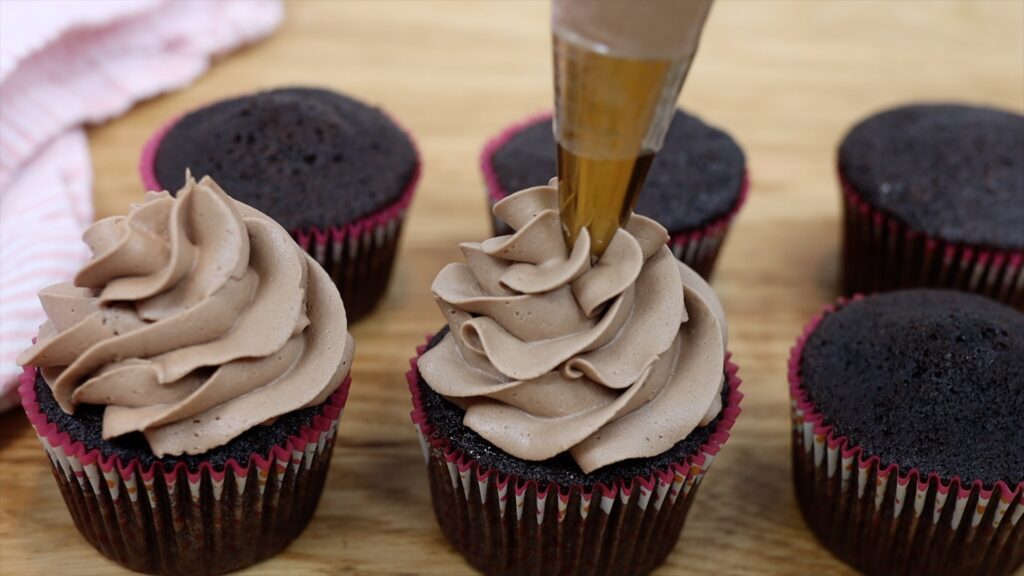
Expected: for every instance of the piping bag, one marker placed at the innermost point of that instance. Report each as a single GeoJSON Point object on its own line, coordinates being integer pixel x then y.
{"type": "Point", "coordinates": [619, 67]}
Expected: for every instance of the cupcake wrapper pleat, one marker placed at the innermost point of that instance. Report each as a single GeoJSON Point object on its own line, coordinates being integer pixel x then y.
{"type": "Point", "coordinates": [882, 253]}
{"type": "Point", "coordinates": [509, 527]}
{"type": "Point", "coordinates": [884, 520]}
{"type": "Point", "coordinates": [506, 525]}
{"type": "Point", "coordinates": [697, 248]}
{"type": "Point", "coordinates": [176, 521]}
{"type": "Point", "coordinates": [357, 255]}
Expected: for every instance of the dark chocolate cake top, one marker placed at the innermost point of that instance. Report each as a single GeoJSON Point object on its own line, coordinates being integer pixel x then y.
{"type": "Point", "coordinates": [303, 156]}
{"type": "Point", "coordinates": [694, 180]}
{"type": "Point", "coordinates": [951, 171]}
{"type": "Point", "coordinates": [926, 379]}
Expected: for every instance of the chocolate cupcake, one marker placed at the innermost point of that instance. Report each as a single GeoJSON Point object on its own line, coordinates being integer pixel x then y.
{"type": "Point", "coordinates": [695, 187]}
{"type": "Point", "coordinates": [336, 173]}
{"type": "Point", "coordinates": [569, 412]}
{"type": "Point", "coordinates": [187, 387]}
{"type": "Point", "coordinates": [908, 448]}
{"type": "Point", "coordinates": [934, 196]}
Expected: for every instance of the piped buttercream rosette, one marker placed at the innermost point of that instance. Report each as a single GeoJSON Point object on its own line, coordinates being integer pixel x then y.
{"type": "Point", "coordinates": [196, 319]}
{"type": "Point", "coordinates": [550, 353]}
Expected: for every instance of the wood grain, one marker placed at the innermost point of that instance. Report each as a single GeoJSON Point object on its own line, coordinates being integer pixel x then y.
{"type": "Point", "coordinates": [785, 78]}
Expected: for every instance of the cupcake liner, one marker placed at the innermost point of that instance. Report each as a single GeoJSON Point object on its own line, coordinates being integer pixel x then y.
{"type": "Point", "coordinates": [177, 521]}
{"type": "Point", "coordinates": [884, 520]}
{"type": "Point", "coordinates": [504, 524]}
{"type": "Point", "coordinates": [357, 255]}
{"type": "Point", "coordinates": [882, 253]}
{"type": "Point", "coordinates": [697, 248]}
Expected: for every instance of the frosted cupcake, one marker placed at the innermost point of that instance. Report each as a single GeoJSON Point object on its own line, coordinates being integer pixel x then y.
{"type": "Point", "coordinates": [187, 386]}
{"type": "Point", "coordinates": [569, 410]}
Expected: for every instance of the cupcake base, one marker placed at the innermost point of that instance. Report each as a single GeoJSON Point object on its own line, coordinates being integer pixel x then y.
{"type": "Point", "coordinates": [886, 521]}
{"type": "Point", "coordinates": [507, 525]}
{"type": "Point", "coordinates": [179, 520]}
{"type": "Point", "coordinates": [881, 253]}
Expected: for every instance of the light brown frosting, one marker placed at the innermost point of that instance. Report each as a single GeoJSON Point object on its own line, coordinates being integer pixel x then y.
{"type": "Point", "coordinates": [197, 318]}
{"type": "Point", "coordinates": [548, 353]}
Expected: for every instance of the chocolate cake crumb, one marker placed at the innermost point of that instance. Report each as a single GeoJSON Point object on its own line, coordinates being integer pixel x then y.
{"type": "Point", "coordinates": [305, 157]}
{"type": "Point", "coordinates": [926, 379]}
{"type": "Point", "coordinates": [950, 171]}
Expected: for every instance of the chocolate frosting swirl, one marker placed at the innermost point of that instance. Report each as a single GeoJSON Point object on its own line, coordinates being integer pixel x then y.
{"type": "Point", "coordinates": [548, 353]}
{"type": "Point", "coordinates": [197, 318]}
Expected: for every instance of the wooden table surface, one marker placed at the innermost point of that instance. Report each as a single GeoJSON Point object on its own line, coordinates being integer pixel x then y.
{"type": "Point", "coordinates": [785, 78]}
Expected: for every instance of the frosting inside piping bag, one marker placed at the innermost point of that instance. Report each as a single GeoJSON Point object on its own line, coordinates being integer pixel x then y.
{"type": "Point", "coordinates": [197, 318]}
{"type": "Point", "coordinates": [549, 354]}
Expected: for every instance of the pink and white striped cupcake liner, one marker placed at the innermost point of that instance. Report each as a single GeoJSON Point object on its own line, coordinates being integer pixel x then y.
{"type": "Point", "coordinates": [174, 520]}
{"type": "Point", "coordinates": [882, 253]}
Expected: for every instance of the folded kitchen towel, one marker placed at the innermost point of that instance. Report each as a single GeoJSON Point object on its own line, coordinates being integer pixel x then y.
{"type": "Point", "coordinates": [63, 64]}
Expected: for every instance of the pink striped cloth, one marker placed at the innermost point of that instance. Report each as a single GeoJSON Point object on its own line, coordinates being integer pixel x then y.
{"type": "Point", "coordinates": [63, 64]}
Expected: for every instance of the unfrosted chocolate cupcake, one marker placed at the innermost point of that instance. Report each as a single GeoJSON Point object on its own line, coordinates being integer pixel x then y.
{"type": "Point", "coordinates": [695, 187]}
{"type": "Point", "coordinates": [908, 445]}
{"type": "Point", "coordinates": [934, 196]}
{"type": "Point", "coordinates": [187, 386]}
{"type": "Point", "coordinates": [336, 173]}
{"type": "Point", "coordinates": [570, 412]}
